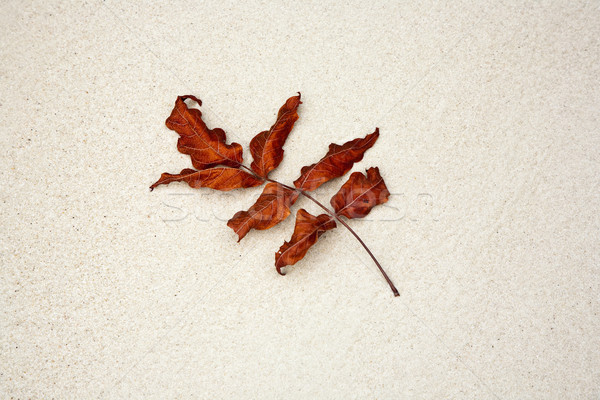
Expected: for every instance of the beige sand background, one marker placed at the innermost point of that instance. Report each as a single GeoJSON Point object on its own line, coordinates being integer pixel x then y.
{"type": "Point", "coordinates": [489, 118]}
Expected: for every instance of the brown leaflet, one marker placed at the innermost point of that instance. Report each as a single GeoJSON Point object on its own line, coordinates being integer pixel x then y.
{"type": "Point", "coordinates": [272, 207]}
{"type": "Point", "coordinates": [306, 232]}
{"type": "Point", "coordinates": [207, 147]}
{"type": "Point", "coordinates": [337, 161]}
{"type": "Point", "coordinates": [360, 194]}
{"type": "Point", "coordinates": [267, 146]}
{"type": "Point", "coordinates": [219, 178]}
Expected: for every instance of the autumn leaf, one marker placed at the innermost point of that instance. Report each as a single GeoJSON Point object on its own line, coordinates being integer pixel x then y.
{"type": "Point", "coordinates": [306, 232]}
{"type": "Point", "coordinates": [272, 207]}
{"type": "Point", "coordinates": [207, 147]}
{"type": "Point", "coordinates": [337, 161]}
{"type": "Point", "coordinates": [219, 166]}
{"type": "Point", "coordinates": [219, 178]}
{"type": "Point", "coordinates": [267, 147]}
{"type": "Point", "coordinates": [360, 194]}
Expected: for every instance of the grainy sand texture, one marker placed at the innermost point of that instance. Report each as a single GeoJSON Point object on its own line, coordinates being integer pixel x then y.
{"type": "Point", "coordinates": [490, 147]}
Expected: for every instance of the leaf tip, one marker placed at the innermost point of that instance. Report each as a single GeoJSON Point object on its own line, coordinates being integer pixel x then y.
{"type": "Point", "coordinates": [191, 96]}
{"type": "Point", "coordinates": [155, 184]}
{"type": "Point", "coordinates": [375, 133]}
{"type": "Point", "coordinates": [232, 223]}
{"type": "Point", "coordinates": [279, 263]}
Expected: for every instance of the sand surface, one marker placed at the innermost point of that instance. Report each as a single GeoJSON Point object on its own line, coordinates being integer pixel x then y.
{"type": "Point", "coordinates": [490, 146]}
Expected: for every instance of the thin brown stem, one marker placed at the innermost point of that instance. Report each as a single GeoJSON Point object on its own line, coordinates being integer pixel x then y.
{"type": "Point", "coordinates": [250, 170]}
{"type": "Point", "coordinates": [334, 215]}
{"type": "Point", "coordinates": [341, 221]}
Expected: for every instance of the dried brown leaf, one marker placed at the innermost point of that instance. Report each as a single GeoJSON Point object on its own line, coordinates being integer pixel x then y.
{"type": "Point", "coordinates": [360, 194]}
{"type": "Point", "coordinates": [219, 178]}
{"type": "Point", "coordinates": [306, 232]}
{"type": "Point", "coordinates": [271, 207]}
{"type": "Point", "coordinates": [337, 161]}
{"type": "Point", "coordinates": [207, 147]}
{"type": "Point", "coordinates": [267, 147]}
